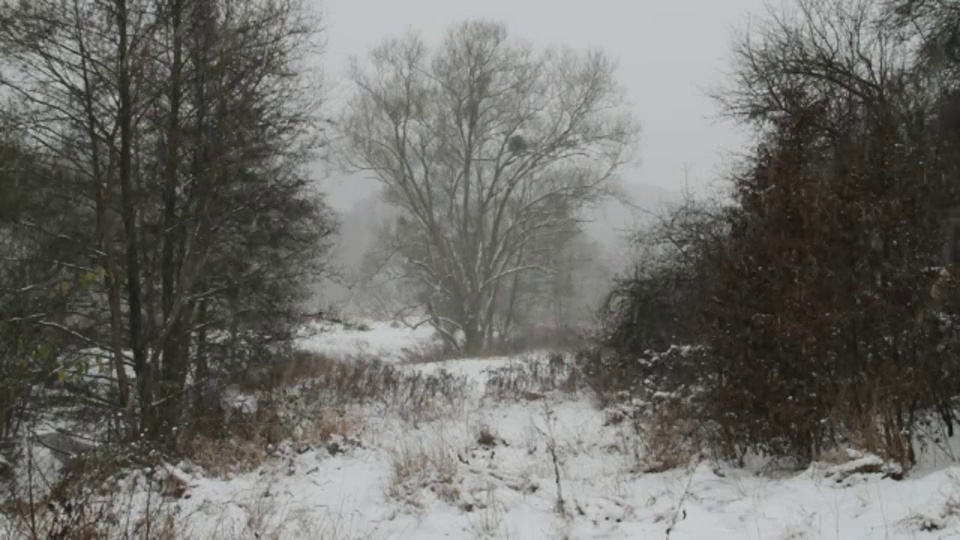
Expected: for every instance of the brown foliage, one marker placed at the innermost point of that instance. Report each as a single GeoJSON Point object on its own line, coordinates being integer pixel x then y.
{"type": "Point", "coordinates": [824, 310]}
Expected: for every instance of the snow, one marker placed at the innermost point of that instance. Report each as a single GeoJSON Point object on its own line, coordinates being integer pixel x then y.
{"type": "Point", "coordinates": [36, 470]}
{"type": "Point", "coordinates": [489, 468]}
{"type": "Point", "coordinates": [509, 490]}
{"type": "Point", "coordinates": [374, 340]}
{"type": "Point", "coordinates": [235, 401]}
{"type": "Point", "coordinates": [474, 370]}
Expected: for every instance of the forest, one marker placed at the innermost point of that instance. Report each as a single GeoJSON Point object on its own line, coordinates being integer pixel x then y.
{"type": "Point", "coordinates": [174, 362]}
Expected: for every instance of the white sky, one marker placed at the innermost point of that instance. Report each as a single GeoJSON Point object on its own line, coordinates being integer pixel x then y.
{"type": "Point", "coordinates": [668, 52]}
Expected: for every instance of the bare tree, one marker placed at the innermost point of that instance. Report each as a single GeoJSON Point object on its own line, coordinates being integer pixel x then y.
{"type": "Point", "coordinates": [488, 148]}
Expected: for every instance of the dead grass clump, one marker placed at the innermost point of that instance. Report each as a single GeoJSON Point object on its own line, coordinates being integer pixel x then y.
{"type": "Point", "coordinates": [331, 425]}
{"type": "Point", "coordinates": [488, 515]}
{"type": "Point", "coordinates": [430, 354]}
{"type": "Point", "coordinates": [298, 367]}
{"type": "Point", "coordinates": [88, 502]}
{"type": "Point", "coordinates": [614, 417]}
{"type": "Point", "coordinates": [414, 395]}
{"type": "Point", "coordinates": [308, 406]}
{"type": "Point", "coordinates": [173, 487]}
{"type": "Point", "coordinates": [611, 379]}
{"type": "Point", "coordinates": [660, 438]}
{"type": "Point", "coordinates": [931, 522]}
{"type": "Point", "coordinates": [880, 430]}
{"type": "Point", "coordinates": [486, 438]}
{"type": "Point", "coordinates": [240, 444]}
{"type": "Point", "coordinates": [561, 340]}
{"type": "Point", "coordinates": [419, 467]}
{"type": "Point", "coordinates": [246, 442]}
{"type": "Point", "coordinates": [221, 457]}
{"type": "Point", "coordinates": [531, 379]}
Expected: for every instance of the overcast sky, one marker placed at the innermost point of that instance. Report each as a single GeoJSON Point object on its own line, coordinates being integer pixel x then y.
{"type": "Point", "coordinates": [668, 52]}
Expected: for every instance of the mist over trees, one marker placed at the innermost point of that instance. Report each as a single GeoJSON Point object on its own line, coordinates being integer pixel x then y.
{"type": "Point", "coordinates": [490, 150]}
{"type": "Point", "coordinates": [369, 280]}
{"type": "Point", "coordinates": [162, 232]}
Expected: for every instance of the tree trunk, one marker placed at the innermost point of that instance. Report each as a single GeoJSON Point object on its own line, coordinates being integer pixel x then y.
{"type": "Point", "coordinates": [511, 304]}
{"type": "Point", "coordinates": [103, 184]}
{"type": "Point", "coordinates": [129, 217]}
{"type": "Point", "coordinates": [473, 339]}
{"type": "Point", "coordinates": [175, 347]}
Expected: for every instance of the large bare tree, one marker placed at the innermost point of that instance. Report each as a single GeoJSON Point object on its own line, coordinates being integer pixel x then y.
{"type": "Point", "coordinates": [488, 148]}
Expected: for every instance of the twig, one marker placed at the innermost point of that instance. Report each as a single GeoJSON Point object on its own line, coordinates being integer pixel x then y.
{"type": "Point", "coordinates": [679, 513]}
{"type": "Point", "coordinates": [561, 506]}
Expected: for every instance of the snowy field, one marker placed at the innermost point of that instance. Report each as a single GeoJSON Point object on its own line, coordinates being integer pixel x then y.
{"type": "Point", "coordinates": [548, 466]}
{"type": "Point", "coordinates": [386, 341]}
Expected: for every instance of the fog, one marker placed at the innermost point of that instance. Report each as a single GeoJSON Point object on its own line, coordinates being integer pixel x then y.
{"type": "Point", "coordinates": [669, 54]}
{"type": "Point", "coordinates": [566, 299]}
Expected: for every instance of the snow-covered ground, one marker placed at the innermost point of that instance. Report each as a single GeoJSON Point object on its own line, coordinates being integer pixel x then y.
{"type": "Point", "coordinates": [548, 466]}
{"type": "Point", "coordinates": [386, 341]}
{"type": "Point", "coordinates": [509, 490]}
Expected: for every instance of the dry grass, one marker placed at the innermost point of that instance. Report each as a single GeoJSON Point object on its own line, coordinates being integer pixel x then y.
{"type": "Point", "coordinates": [262, 518]}
{"type": "Point", "coordinates": [531, 379]}
{"type": "Point", "coordinates": [249, 442]}
{"type": "Point", "coordinates": [308, 401]}
{"type": "Point", "coordinates": [331, 424]}
{"type": "Point", "coordinates": [562, 340]}
{"type": "Point", "coordinates": [242, 444]}
{"type": "Point", "coordinates": [361, 381]}
{"type": "Point", "coordinates": [659, 438]}
{"type": "Point", "coordinates": [92, 503]}
{"type": "Point", "coordinates": [611, 380]}
{"type": "Point", "coordinates": [416, 467]}
{"type": "Point", "coordinates": [486, 438]}
{"type": "Point", "coordinates": [880, 431]}
{"type": "Point", "coordinates": [487, 519]}
{"type": "Point", "coordinates": [949, 510]}
{"type": "Point", "coordinates": [222, 457]}
{"type": "Point", "coordinates": [667, 443]}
